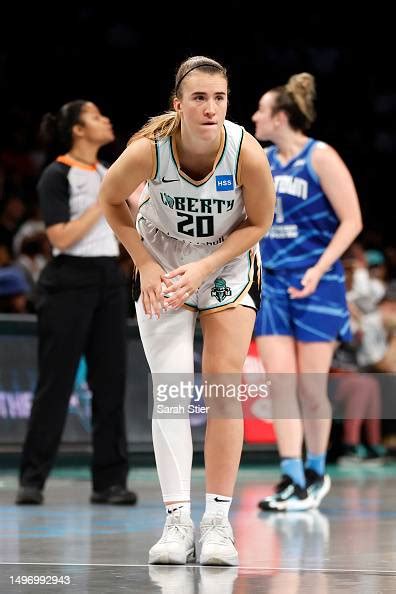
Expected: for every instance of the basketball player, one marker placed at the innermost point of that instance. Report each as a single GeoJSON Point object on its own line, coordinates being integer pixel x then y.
{"type": "Point", "coordinates": [303, 312]}
{"type": "Point", "coordinates": [208, 200]}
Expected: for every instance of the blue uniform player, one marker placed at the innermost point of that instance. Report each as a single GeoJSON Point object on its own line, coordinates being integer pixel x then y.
{"type": "Point", "coordinates": [304, 311]}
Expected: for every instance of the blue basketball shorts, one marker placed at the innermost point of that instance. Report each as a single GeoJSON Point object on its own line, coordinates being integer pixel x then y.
{"type": "Point", "coordinates": [320, 317]}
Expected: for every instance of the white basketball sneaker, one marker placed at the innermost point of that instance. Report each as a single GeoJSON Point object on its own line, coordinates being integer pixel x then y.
{"type": "Point", "coordinates": [176, 545]}
{"type": "Point", "coordinates": [217, 541]}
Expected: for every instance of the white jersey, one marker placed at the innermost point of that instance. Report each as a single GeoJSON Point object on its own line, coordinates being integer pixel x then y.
{"type": "Point", "coordinates": [201, 212]}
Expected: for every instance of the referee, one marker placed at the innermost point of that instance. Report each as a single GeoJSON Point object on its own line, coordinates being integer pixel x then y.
{"type": "Point", "coordinates": [81, 311]}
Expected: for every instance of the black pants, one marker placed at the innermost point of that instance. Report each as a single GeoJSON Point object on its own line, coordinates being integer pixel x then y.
{"type": "Point", "coordinates": [81, 310]}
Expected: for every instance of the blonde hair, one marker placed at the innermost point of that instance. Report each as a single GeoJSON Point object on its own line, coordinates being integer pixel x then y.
{"type": "Point", "coordinates": [303, 90]}
{"type": "Point", "coordinates": [296, 99]}
{"type": "Point", "coordinates": [167, 123]}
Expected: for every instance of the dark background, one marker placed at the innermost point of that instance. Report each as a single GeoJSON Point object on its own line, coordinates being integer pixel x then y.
{"type": "Point", "coordinates": [125, 61]}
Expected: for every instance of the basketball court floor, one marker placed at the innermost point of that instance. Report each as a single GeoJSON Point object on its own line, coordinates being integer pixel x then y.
{"type": "Point", "coordinates": [69, 545]}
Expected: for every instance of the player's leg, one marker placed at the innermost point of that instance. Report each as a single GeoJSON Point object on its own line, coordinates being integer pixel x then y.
{"type": "Point", "coordinates": [168, 345]}
{"type": "Point", "coordinates": [278, 354]}
{"type": "Point", "coordinates": [319, 321]}
{"type": "Point", "coordinates": [275, 339]}
{"type": "Point", "coordinates": [227, 336]}
{"type": "Point", "coordinates": [314, 359]}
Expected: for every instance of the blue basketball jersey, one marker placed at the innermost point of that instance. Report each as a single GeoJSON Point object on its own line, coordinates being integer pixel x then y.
{"type": "Point", "coordinates": [305, 221]}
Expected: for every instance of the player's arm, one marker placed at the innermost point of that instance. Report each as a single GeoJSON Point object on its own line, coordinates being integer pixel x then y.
{"type": "Point", "coordinates": [134, 166]}
{"type": "Point", "coordinates": [337, 184]}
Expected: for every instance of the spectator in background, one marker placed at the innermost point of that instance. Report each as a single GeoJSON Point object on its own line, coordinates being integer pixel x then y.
{"type": "Point", "coordinates": [390, 254]}
{"type": "Point", "coordinates": [388, 310]}
{"type": "Point", "coordinates": [13, 287]}
{"type": "Point", "coordinates": [81, 310]}
{"type": "Point", "coordinates": [376, 264]}
{"type": "Point", "coordinates": [32, 251]}
{"type": "Point", "coordinates": [364, 295]}
{"type": "Point", "coordinates": [5, 258]}
{"type": "Point", "coordinates": [381, 267]}
{"type": "Point", "coordinates": [368, 297]}
{"type": "Point", "coordinates": [359, 392]}
{"type": "Point", "coordinates": [12, 211]}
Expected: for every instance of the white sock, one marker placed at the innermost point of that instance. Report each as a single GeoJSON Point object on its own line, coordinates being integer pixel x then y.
{"type": "Point", "coordinates": [215, 503]}
{"type": "Point", "coordinates": [183, 506]}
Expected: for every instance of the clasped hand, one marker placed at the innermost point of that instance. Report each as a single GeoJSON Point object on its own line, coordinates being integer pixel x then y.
{"type": "Point", "coordinates": [162, 291]}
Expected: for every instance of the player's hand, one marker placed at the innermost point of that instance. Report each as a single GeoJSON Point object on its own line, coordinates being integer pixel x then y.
{"type": "Point", "coordinates": [152, 289]}
{"type": "Point", "coordinates": [190, 278]}
{"type": "Point", "coordinates": [309, 282]}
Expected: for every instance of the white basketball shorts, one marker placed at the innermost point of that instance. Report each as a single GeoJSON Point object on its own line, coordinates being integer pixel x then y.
{"type": "Point", "coordinates": [236, 283]}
